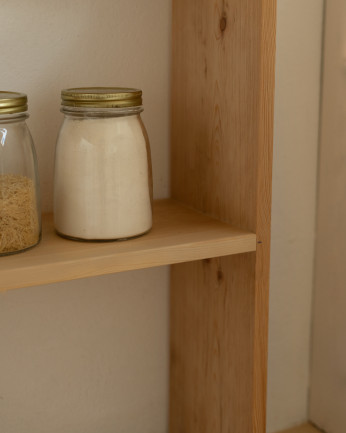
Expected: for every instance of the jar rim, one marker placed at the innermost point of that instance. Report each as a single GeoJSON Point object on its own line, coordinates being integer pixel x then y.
{"type": "Point", "coordinates": [98, 112]}
{"type": "Point", "coordinates": [20, 115]}
{"type": "Point", "coordinates": [13, 102]}
{"type": "Point", "coordinates": [101, 97]}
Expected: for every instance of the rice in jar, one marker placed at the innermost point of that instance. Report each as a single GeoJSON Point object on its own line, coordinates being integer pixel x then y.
{"type": "Point", "coordinates": [20, 209]}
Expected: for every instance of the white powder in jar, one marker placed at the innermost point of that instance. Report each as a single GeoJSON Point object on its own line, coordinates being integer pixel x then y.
{"type": "Point", "coordinates": [102, 185]}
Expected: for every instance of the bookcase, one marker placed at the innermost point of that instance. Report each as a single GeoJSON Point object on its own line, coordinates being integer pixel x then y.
{"type": "Point", "coordinates": [215, 228]}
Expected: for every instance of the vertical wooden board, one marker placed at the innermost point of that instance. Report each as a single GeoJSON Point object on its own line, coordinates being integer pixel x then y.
{"type": "Point", "coordinates": [263, 211]}
{"type": "Point", "coordinates": [221, 137]}
{"type": "Point", "coordinates": [211, 364]}
{"type": "Point", "coordinates": [215, 107]}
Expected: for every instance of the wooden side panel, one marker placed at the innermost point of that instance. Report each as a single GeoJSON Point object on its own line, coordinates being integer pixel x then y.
{"type": "Point", "coordinates": [222, 130]}
{"type": "Point", "coordinates": [212, 345]}
{"type": "Point", "coordinates": [215, 106]}
{"type": "Point", "coordinates": [263, 211]}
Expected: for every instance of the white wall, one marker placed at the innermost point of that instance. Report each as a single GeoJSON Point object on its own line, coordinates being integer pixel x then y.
{"type": "Point", "coordinates": [328, 379]}
{"type": "Point", "coordinates": [47, 45]}
{"type": "Point", "coordinates": [91, 355]}
{"type": "Point", "coordinates": [88, 356]}
{"type": "Point", "coordinates": [298, 60]}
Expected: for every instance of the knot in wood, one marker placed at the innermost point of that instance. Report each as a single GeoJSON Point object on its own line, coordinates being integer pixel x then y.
{"type": "Point", "coordinates": [223, 23]}
{"type": "Point", "coordinates": [219, 275]}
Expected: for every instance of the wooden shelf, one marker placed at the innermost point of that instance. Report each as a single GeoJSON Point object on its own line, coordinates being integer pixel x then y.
{"type": "Point", "coordinates": [178, 235]}
{"type": "Point", "coordinates": [305, 428]}
{"type": "Point", "coordinates": [221, 134]}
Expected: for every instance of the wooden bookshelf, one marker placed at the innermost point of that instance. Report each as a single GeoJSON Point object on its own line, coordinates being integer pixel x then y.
{"type": "Point", "coordinates": [215, 231]}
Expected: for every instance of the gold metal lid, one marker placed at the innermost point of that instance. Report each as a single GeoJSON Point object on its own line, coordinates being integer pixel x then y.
{"type": "Point", "coordinates": [101, 97]}
{"type": "Point", "coordinates": [13, 102]}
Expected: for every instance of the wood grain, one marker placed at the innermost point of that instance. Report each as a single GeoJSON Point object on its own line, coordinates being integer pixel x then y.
{"type": "Point", "coordinates": [212, 345]}
{"type": "Point", "coordinates": [222, 132]}
{"type": "Point", "coordinates": [263, 211]}
{"type": "Point", "coordinates": [179, 234]}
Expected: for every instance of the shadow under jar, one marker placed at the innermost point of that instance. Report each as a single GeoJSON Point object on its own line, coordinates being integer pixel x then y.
{"type": "Point", "coordinates": [20, 214]}
{"type": "Point", "coordinates": [103, 179]}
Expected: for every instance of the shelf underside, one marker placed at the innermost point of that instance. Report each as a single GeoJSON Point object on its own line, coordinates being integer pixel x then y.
{"type": "Point", "coordinates": [178, 235]}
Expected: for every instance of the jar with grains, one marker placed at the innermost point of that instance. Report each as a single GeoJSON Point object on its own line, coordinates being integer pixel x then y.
{"type": "Point", "coordinates": [102, 180]}
{"type": "Point", "coordinates": [20, 214]}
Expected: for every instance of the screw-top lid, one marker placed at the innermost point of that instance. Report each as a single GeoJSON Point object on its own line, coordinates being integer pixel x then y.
{"type": "Point", "coordinates": [13, 102]}
{"type": "Point", "coordinates": [101, 97]}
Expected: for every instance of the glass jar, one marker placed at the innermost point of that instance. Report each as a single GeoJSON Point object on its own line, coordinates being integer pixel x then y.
{"type": "Point", "coordinates": [20, 215]}
{"type": "Point", "coordinates": [102, 181]}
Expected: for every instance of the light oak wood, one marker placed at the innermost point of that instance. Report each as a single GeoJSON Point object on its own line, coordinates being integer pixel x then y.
{"type": "Point", "coordinates": [212, 345]}
{"type": "Point", "coordinates": [263, 210]}
{"type": "Point", "coordinates": [179, 234]}
{"type": "Point", "coordinates": [222, 131]}
{"type": "Point", "coordinates": [305, 428]}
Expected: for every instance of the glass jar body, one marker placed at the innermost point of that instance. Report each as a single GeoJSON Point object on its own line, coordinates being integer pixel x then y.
{"type": "Point", "coordinates": [102, 181]}
{"type": "Point", "coordinates": [20, 210]}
